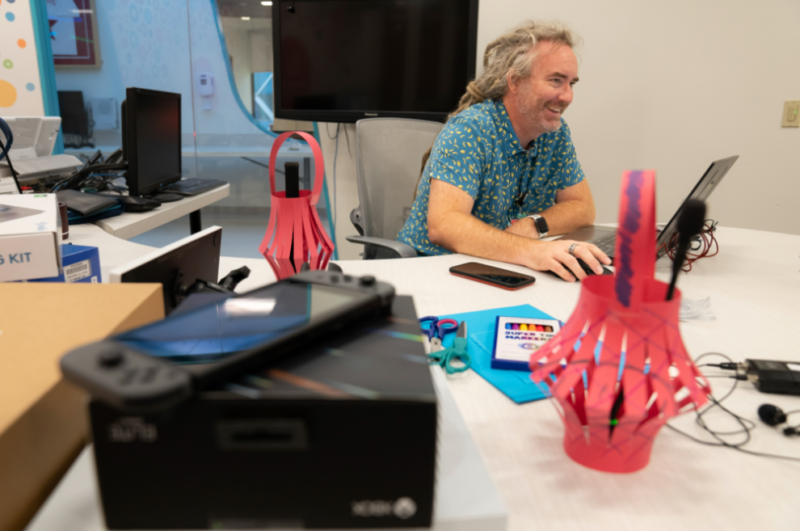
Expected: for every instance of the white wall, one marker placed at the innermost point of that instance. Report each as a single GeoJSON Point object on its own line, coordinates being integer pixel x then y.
{"type": "Point", "coordinates": [672, 86]}
{"type": "Point", "coordinates": [343, 187]}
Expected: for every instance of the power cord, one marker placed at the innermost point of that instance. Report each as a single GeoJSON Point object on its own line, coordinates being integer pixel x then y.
{"type": "Point", "coordinates": [703, 246]}
{"type": "Point", "coordinates": [4, 127]}
{"type": "Point", "coordinates": [335, 156]}
{"type": "Point", "coordinates": [746, 425]}
{"type": "Point", "coordinates": [76, 178]}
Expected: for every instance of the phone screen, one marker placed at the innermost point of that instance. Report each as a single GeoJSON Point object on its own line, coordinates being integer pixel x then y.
{"type": "Point", "coordinates": [493, 275]}
{"type": "Point", "coordinates": [216, 331]}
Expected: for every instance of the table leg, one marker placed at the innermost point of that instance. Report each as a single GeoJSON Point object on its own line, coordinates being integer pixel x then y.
{"type": "Point", "coordinates": [195, 223]}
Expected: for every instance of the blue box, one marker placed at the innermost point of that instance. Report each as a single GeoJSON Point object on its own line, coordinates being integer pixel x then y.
{"type": "Point", "coordinates": [80, 263]}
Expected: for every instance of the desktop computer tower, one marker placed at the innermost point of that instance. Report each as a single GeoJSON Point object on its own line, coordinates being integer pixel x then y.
{"type": "Point", "coordinates": [341, 435]}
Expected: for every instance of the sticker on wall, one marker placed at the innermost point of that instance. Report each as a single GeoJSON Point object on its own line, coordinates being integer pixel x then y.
{"type": "Point", "coordinates": [8, 94]}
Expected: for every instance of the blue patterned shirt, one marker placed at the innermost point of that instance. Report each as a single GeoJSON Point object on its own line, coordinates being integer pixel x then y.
{"type": "Point", "coordinates": [478, 151]}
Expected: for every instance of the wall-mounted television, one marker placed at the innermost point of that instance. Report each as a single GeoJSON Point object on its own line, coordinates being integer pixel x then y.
{"type": "Point", "coordinates": [344, 60]}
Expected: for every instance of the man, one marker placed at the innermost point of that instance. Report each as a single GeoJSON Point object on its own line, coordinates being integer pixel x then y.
{"type": "Point", "coordinates": [503, 171]}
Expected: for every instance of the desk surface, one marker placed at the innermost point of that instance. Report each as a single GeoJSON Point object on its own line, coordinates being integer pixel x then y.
{"type": "Point", "coordinates": [753, 285]}
{"type": "Point", "coordinates": [132, 224]}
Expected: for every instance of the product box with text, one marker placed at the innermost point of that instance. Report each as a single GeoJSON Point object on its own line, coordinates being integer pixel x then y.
{"type": "Point", "coordinates": [30, 237]}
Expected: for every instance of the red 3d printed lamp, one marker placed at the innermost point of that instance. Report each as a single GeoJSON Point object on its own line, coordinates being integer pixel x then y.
{"type": "Point", "coordinates": [295, 235]}
{"type": "Point", "coordinates": [618, 370]}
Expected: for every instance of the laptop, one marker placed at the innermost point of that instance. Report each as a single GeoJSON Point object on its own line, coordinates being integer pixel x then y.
{"type": "Point", "coordinates": [605, 237]}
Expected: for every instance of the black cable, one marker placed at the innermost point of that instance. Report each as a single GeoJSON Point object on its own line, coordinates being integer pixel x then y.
{"type": "Point", "coordinates": [347, 139]}
{"type": "Point", "coordinates": [746, 424]}
{"type": "Point", "coordinates": [74, 180]}
{"type": "Point", "coordinates": [11, 167]}
{"type": "Point", "coordinates": [327, 132]}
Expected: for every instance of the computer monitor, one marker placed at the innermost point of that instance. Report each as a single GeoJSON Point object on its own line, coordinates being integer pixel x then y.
{"type": "Point", "coordinates": [344, 60]}
{"type": "Point", "coordinates": [151, 139]}
{"type": "Point", "coordinates": [73, 112]}
{"type": "Point", "coordinates": [176, 266]}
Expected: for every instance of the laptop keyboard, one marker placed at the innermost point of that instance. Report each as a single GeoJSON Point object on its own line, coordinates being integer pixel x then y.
{"type": "Point", "coordinates": [607, 244]}
{"type": "Point", "coordinates": [192, 186]}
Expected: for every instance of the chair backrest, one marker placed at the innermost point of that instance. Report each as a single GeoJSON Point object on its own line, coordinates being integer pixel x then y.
{"type": "Point", "coordinates": [388, 160]}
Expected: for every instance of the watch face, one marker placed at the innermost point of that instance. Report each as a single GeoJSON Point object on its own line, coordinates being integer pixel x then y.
{"type": "Point", "coordinates": [541, 224]}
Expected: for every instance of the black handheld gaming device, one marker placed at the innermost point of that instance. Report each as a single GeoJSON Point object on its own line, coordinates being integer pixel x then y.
{"type": "Point", "coordinates": [161, 364]}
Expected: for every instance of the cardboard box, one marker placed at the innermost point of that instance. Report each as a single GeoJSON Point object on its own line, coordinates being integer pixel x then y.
{"type": "Point", "coordinates": [79, 263]}
{"type": "Point", "coordinates": [30, 237]}
{"type": "Point", "coordinates": [42, 417]}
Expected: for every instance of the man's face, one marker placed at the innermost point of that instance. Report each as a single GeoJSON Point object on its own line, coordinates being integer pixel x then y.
{"type": "Point", "coordinates": [544, 96]}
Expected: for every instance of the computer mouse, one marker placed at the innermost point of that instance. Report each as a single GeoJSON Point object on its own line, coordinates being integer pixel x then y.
{"type": "Point", "coordinates": [140, 204]}
{"type": "Point", "coordinates": [586, 269]}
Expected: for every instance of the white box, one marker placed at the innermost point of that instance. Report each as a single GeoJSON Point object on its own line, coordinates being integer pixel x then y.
{"type": "Point", "coordinates": [30, 237]}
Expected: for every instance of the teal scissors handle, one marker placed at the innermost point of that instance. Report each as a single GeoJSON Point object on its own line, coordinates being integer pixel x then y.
{"type": "Point", "coordinates": [446, 357]}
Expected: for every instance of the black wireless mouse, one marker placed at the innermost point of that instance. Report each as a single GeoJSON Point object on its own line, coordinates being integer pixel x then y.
{"type": "Point", "coordinates": [140, 204]}
{"type": "Point", "coordinates": [586, 269]}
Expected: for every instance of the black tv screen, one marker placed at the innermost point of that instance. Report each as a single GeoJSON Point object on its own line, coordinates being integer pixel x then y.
{"type": "Point", "coordinates": [344, 60]}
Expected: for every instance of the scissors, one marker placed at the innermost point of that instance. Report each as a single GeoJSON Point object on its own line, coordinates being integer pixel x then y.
{"type": "Point", "coordinates": [434, 334]}
{"type": "Point", "coordinates": [458, 353]}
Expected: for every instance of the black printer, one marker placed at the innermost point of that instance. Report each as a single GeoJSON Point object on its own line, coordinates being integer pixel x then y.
{"type": "Point", "coordinates": [342, 435]}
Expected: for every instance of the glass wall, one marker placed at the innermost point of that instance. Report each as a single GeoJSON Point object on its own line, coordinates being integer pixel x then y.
{"type": "Point", "coordinates": [217, 54]}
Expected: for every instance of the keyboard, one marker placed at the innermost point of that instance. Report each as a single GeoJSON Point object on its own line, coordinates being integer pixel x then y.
{"type": "Point", "coordinates": [192, 186]}
{"type": "Point", "coordinates": [607, 244]}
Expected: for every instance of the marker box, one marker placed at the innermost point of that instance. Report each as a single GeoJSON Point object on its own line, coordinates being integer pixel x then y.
{"type": "Point", "coordinates": [517, 338]}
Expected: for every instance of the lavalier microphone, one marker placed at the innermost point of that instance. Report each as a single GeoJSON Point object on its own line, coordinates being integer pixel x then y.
{"type": "Point", "coordinates": [774, 416]}
{"type": "Point", "coordinates": [690, 223]}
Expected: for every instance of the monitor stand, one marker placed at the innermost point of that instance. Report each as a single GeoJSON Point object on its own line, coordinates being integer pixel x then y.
{"type": "Point", "coordinates": [167, 198]}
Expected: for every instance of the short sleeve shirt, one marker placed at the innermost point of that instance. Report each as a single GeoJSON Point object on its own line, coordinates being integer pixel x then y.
{"type": "Point", "coordinates": [478, 151]}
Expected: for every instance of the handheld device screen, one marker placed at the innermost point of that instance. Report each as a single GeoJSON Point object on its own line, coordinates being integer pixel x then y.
{"type": "Point", "coordinates": [492, 275]}
{"type": "Point", "coordinates": [216, 331]}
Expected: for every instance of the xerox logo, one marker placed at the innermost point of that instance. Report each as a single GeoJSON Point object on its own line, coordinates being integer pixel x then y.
{"type": "Point", "coordinates": [132, 429]}
{"type": "Point", "coordinates": [402, 508]}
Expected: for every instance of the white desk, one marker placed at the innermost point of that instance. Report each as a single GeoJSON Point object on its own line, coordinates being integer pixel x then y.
{"type": "Point", "coordinates": [132, 224]}
{"type": "Point", "coordinates": [754, 285]}
{"type": "Point", "coordinates": [115, 252]}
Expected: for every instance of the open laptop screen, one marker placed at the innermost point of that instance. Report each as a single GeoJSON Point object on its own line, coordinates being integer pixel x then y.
{"type": "Point", "coordinates": [701, 191]}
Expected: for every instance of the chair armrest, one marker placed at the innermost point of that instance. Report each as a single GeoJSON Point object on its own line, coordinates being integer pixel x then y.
{"type": "Point", "coordinates": [400, 249]}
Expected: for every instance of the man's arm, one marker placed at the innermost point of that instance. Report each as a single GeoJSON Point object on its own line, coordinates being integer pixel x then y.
{"type": "Point", "coordinates": [574, 209]}
{"type": "Point", "coordinates": [452, 226]}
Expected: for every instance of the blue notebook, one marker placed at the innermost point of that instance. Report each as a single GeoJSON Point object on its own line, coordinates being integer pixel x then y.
{"type": "Point", "coordinates": [516, 385]}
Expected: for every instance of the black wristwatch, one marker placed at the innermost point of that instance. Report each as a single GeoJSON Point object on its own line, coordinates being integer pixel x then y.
{"type": "Point", "coordinates": [541, 225]}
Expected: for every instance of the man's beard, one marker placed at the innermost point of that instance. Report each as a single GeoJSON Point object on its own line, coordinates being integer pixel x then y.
{"type": "Point", "coordinates": [536, 110]}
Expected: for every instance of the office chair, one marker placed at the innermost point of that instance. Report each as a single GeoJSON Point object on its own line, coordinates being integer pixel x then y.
{"type": "Point", "coordinates": [388, 157]}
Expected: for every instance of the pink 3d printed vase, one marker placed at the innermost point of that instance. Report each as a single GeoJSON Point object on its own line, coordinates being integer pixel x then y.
{"type": "Point", "coordinates": [618, 369]}
{"type": "Point", "coordinates": [295, 235]}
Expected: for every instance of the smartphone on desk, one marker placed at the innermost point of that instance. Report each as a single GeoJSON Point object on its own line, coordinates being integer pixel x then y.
{"type": "Point", "coordinates": [494, 276]}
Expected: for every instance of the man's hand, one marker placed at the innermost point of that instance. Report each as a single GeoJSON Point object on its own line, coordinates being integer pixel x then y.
{"type": "Point", "coordinates": [554, 256]}
{"type": "Point", "coordinates": [451, 225]}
